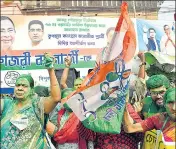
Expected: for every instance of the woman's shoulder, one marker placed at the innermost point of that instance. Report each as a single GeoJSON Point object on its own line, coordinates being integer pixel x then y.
{"type": "Point", "coordinates": [6, 104]}
{"type": "Point", "coordinates": [7, 101]}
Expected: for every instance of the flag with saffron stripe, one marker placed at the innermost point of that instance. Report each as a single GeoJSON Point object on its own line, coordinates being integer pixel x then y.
{"type": "Point", "coordinates": [99, 102]}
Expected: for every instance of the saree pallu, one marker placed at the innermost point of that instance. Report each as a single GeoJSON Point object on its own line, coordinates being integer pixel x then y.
{"type": "Point", "coordinates": [67, 132]}
{"type": "Point", "coordinates": [30, 137]}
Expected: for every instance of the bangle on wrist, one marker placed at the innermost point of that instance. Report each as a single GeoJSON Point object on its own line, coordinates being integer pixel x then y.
{"type": "Point", "coordinates": [67, 66]}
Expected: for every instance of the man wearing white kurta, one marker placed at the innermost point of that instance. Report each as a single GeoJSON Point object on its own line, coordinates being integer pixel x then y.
{"type": "Point", "coordinates": [168, 42]}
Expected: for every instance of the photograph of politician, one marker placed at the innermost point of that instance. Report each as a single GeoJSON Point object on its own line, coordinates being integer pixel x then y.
{"type": "Point", "coordinates": [151, 42]}
{"type": "Point", "coordinates": [7, 33]}
{"type": "Point", "coordinates": [168, 41]}
{"type": "Point", "coordinates": [36, 32]}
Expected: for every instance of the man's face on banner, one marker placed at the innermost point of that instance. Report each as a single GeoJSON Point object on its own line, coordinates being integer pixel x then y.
{"type": "Point", "coordinates": [152, 33]}
{"type": "Point", "coordinates": [36, 33]}
{"type": "Point", "coordinates": [7, 34]}
{"type": "Point", "coordinates": [167, 29]}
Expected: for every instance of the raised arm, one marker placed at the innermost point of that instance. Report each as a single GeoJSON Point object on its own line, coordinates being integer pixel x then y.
{"type": "Point", "coordinates": [129, 125]}
{"type": "Point", "coordinates": [55, 95]}
{"type": "Point", "coordinates": [65, 72]}
{"type": "Point", "coordinates": [141, 73]}
{"type": "Point", "coordinates": [145, 35]}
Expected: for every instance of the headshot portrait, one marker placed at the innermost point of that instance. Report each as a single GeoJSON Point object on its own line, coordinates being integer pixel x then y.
{"type": "Point", "coordinates": [7, 33]}
{"type": "Point", "coordinates": [36, 32]}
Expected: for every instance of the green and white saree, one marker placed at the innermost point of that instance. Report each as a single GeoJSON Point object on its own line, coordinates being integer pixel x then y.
{"type": "Point", "coordinates": [20, 128]}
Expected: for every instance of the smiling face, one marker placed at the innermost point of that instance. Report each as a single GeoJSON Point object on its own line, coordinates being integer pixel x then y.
{"type": "Point", "coordinates": [22, 89]}
{"type": "Point", "coordinates": [157, 95]}
{"type": "Point", "coordinates": [7, 34]}
{"type": "Point", "coordinates": [36, 33]}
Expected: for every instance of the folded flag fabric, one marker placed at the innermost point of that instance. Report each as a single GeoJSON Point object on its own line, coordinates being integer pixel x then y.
{"type": "Point", "coordinates": [99, 102]}
{"type": "Point", "coordinates": [123, 41]}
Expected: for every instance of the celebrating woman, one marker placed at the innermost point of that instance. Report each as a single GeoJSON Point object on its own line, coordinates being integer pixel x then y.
{"type": "Point", "coordinates": [22, 119]}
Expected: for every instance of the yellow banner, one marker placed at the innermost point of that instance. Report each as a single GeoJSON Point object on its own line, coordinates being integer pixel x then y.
{"type": "Point", "coordinates": [151, 142]}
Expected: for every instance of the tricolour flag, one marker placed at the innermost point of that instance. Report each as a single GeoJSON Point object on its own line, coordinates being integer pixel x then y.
{"type": "Point", "coordinates": [101, 98]}
{"type": "Point", "coordinates": [123, 41]}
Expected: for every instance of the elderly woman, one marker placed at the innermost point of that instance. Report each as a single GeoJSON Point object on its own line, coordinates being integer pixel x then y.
{"type": "Point", "coordinates": [164, 122]}
{"type": "Point", "coordinates": [22, 119]}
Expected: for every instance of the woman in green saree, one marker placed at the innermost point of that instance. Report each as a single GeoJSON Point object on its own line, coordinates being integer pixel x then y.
{"type": "Point", "coordinates": [22, 119]}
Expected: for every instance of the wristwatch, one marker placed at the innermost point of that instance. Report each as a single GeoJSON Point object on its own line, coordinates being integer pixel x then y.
{"type": "Point", "coordinates": [143, 63]}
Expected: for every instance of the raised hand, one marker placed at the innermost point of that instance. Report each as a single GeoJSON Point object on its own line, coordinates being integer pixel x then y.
{"type": "Point", "coordinates": [141, 56]}
{"type": "Point", "coordinates": [145, 29]}
{"type": "Point", "coordinates": [68, 61]}
{"type": "Point", "coordinates": [49, 60]}
{"type": "Point", "coordinates": [137, 104]}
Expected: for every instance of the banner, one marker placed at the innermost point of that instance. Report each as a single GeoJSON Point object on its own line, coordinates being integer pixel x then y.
{"type": "Point", "coordinates": [156, 35]}
{"type": "Point", "coordinates": [151, 142]}
{"type": "Point", "coordinates": [24, 39]}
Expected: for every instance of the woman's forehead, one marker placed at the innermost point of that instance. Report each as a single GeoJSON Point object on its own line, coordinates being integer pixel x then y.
{"type": "Point", "coordinates": [171, 96]}
{"type": "Point", "coordinates": [78, 81]}
{"type": "Point", "coordinates": [22, 81]}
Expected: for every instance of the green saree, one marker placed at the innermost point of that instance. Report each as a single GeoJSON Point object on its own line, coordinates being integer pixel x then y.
{"type": "Point", "coordinates": [20, 128]}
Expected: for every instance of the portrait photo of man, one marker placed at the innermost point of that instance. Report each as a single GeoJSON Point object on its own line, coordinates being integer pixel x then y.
{"type": "Point", "coordinates": [36, 32]}
{"type": "Point", "coordinates": [7, 33]}
{"type": "Point", "coordinates": [151, 42]}
{"type": "Point", "coordinates": [168, 41]}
